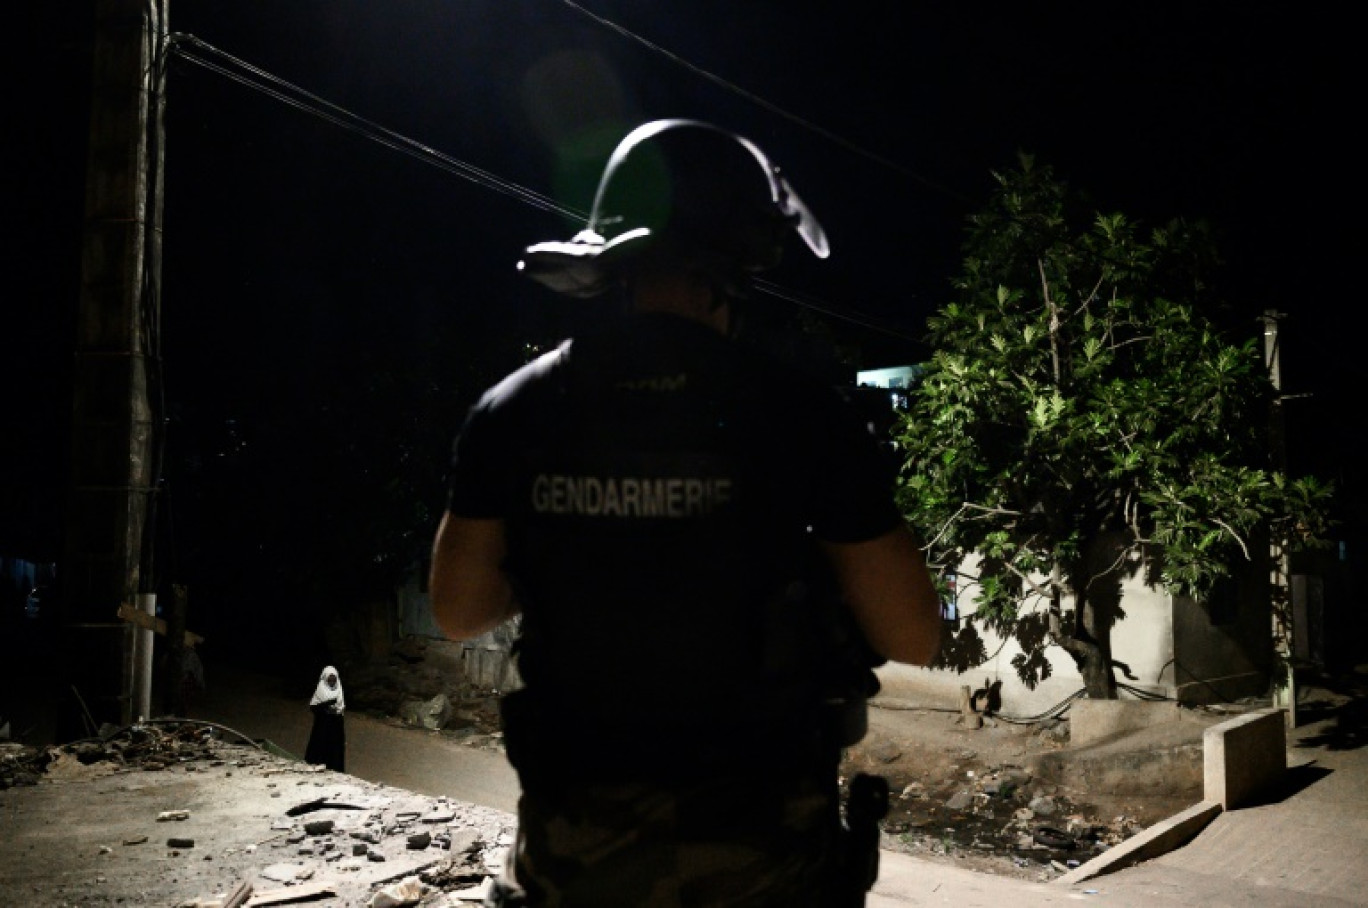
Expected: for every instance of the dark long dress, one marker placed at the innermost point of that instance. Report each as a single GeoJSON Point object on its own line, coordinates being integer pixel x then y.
{"type": "Point", "coordinates": [328, 739]}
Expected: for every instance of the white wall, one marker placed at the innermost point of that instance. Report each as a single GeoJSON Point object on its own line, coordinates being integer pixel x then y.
{"type": "Point", "coordinates": [1143, 641]}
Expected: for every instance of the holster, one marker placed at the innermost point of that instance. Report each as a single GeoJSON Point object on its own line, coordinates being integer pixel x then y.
{"type": "Point", "coordinates": [866, 805]}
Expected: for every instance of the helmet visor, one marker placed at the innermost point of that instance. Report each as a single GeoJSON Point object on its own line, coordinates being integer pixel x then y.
{"type": "Point", "coordinates": [804, 221]}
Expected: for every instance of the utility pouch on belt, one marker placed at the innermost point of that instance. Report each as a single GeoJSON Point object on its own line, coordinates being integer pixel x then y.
{"type": "Point", "coordinates": [866, 805]}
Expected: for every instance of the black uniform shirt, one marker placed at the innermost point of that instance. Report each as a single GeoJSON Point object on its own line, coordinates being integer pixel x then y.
{"type": "Point", "coordinates": [662, 489]}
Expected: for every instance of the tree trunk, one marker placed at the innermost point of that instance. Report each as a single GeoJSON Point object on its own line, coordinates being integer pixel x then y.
{"type": "Point", "coordinates": [1096, 584]}
{"type": "Point", "coordinates": [1096, 664]}
{"type": "Point", "coordinates": [1090, 647]}
{"type": "Point", "coordinates": [1098, 679]}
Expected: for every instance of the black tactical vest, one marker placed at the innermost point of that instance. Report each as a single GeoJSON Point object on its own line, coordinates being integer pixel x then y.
{"type": "Point", "coordinates": [676, 612]}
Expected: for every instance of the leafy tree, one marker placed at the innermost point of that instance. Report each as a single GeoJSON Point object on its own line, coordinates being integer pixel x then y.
{"type": "Point", "coordinates": [1082, 419]}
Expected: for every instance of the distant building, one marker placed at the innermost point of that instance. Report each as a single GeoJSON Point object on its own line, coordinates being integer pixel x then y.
{"type": "Point", "coordinates": [896, 379]}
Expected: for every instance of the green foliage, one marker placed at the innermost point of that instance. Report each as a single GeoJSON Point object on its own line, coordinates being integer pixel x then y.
{"type": "Point", "coordinates": [1081, 412]}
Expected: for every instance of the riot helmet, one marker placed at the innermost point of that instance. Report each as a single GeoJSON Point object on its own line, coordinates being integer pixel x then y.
{"type": "Point", "coordinates": [686, 188]}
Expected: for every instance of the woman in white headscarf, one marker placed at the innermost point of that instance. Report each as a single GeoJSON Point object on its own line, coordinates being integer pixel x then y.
{"type": "Point", "coordinates": [328, 740]}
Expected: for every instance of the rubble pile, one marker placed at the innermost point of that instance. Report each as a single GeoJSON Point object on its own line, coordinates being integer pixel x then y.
{"type": "Point", "coordinates": [1002, 811]}
{"type": "Point", "coordinates": [423, 686]}
{"type": "Point", "coordinates": [151, 747]}
{"type": "Point", "coordinates": [142, 746]}
{"type": "Point", "coordinates": [444, 852]}
{"type": "Point", "coordinates": [20, 764]}
{"type": "Point", "coordinates": [225, 825]}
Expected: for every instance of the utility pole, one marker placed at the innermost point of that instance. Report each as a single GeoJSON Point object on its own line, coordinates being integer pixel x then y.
{"type": "Point", "coordinates": [114, 410]}
{"type": "Point", "coordinates": [1284, 680]}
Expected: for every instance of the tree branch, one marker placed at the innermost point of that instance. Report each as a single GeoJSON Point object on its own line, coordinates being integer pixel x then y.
{"type": "Point", "coordinates": [945, 528]}
{"type": "Point", "coordinates": [1092, 295]}
{"type": "Point", "coordinates": [1140, 338]}
{"type": "Point", "coordinates": [1229, 529]}
{"type": "Point", "coordinates": [1120, 559]}
{"type": "Point", "coordinates": [990, 510]}
{"type": "Point", "coordinates": [1054, 319]}
{"type": "Point", "coordinates": [1042, 591]}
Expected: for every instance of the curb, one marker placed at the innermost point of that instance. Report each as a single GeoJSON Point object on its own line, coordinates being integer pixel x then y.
{"type": "Point", "coordinates": [1157, 840]}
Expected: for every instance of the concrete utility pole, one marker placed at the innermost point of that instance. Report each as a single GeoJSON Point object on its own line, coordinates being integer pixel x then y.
{"type": "Point", "coordinates": [114, 419]}
{"type": "Point", "coordinates": [1284, 677]}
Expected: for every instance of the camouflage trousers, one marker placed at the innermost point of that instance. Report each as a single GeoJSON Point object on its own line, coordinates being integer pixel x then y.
{"type": "Point", "coordinates": [736, 843]}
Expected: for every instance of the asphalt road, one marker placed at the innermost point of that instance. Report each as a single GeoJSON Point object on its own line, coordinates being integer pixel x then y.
{"type": "Point", "coordinates": [377, 750]}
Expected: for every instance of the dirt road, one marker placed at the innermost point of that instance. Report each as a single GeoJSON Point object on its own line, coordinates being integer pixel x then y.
{"type": "Point", "coordinates": [378, 750]}
{"type": "Point", "coordinates": [960, 795]}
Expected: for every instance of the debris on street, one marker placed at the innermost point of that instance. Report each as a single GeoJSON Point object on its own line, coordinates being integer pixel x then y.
{"type": "Point", "coordinates": [250, 829]}
{"type": "Point", "coordinates": [1001, 812]}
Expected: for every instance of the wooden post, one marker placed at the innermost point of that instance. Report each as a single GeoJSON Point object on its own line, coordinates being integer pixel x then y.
{"type": "Point", "coordinates": [113, 418]}
{"type": "Point", "coordinates": [968, 717]}
{"type": "Point", "coordinates": [1284, 680]}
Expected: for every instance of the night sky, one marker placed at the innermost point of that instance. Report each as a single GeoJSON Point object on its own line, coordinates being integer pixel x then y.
{"type": "Point", "coordinates": [304, 263]}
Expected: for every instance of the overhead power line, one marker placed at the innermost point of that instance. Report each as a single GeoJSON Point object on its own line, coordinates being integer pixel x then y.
{"type": "Point", "coordinates": [190, 48]}
{"type": "Point", "coordinates": [767, 105]}
{"type": "Point", "coordinates": [206, 56]}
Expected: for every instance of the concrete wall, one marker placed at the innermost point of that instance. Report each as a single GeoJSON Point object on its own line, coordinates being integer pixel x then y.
{"type": "Point", "coordinates": [1222, 648]}
{"type": "Point", "coordinates": [1143, 641]}
{"type": "Point", "coordinates": [1245, 757]}
{"type": "Point", "coordinates": [415, 611]}
{"type": "Point", "coordinates": [1091, 721]}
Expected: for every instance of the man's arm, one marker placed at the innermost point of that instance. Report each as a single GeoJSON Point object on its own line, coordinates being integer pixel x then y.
{"type": "Point", "coordinates": [886, 585]}
{"type": "Point", "coordinates": [469, 591]}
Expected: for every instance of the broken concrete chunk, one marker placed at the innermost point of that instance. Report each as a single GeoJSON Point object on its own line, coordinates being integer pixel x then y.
{"type": "Point", "coordinates": [420, 840]}
{"type": "Point", "coordinates": [180, 843]}
{"type": "Point", "coordinates": [430, 714]}
{"type": "Point", "coordinates": [494, 858]}
{"type": "Point", "coordinates": [962, 800]}
{"type": "Point", "coordinates": [291, 894]}
{"type": "Point", "coordinates": [319, 827]}
{"type": "Point", "coordinates": [408, 891]}
{"type": "Point", "coordinates": [281, 873]}
{"type": "Point", "coordinates": [475, 893]}
{"type": "Point", "coordinates": [172, 815]}
{"type": "Point", "coordinates": [465, 839]}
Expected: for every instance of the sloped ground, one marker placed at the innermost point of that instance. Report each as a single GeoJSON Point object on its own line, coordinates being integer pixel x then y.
{"type": "Point", "coordinates": [110, 824]}
{"type": "Point", "coordinates": [998, 799]}
{"type": "Point", "coordinates": [980, 799]}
